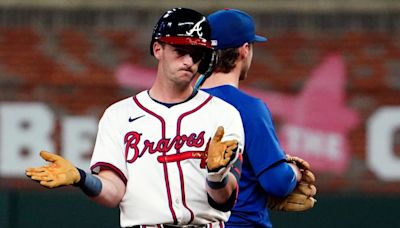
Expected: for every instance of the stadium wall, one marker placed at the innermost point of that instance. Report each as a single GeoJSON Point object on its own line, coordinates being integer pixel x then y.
{"type": "Point", "coordinates": [65, 66]}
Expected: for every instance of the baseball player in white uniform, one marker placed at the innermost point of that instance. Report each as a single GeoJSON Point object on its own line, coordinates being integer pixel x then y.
{"type": "Point", "coordinates": [169, 156]}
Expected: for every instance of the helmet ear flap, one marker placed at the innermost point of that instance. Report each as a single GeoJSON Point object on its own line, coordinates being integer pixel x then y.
{"type": "Point", "coordinates": [206, 67]}
{"type": "Point", "coordinates": [208, 63]}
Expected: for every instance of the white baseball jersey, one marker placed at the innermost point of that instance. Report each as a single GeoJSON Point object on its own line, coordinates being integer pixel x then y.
{"type": "Point", "coordinates": [159, 153]}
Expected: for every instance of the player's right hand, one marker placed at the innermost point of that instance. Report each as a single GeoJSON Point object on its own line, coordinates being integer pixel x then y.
{"type": "Point", "coordinates": [57, 173]}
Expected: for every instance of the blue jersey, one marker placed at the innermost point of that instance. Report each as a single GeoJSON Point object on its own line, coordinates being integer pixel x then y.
{"type": "Point", "coordinates": [261, 150]}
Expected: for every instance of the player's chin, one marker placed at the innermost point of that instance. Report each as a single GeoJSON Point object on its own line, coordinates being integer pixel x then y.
{"type": "Point", "coordinates": [186, 75]}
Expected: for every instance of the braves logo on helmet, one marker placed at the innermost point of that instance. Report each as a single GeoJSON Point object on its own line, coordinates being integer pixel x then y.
{"type": "Point", "coordinates": [197, 28]}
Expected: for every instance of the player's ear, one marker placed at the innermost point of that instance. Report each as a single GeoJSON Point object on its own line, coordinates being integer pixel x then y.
{"type": "Point", "coordinates": [244, 50]}
{"type": "Point", "coordinates": [157, 48]}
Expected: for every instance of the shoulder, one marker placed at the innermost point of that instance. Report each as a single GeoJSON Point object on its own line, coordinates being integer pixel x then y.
{"type": "Point", "coordinates": [256, 110]}
{"type": "Point", "coordinates": [251, 104]}
{"type": "Point", "coordinates": [217, 102]}
{"type": "Point", "coordinates": [236, 97]}
{"type": "Point", "coordinates": [253, 111]}
{"type": "Point", "coordinates": [250, 100]}
{"type": "Point", "coordinates": [122, 106]}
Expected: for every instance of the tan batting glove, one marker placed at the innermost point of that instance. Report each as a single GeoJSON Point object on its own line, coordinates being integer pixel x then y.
{"type": "Point", "coordinates": [58, 173]}
{"type": "Point", "coordinates": [220, 156]}
{"type": "Point", "coordinates": [219, 153]}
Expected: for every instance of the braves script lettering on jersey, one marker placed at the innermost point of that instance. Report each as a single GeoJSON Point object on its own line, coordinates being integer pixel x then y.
{"type": "Point", "coordinates": [161, 156]}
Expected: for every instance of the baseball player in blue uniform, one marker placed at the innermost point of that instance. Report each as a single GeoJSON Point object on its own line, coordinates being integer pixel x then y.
{"type": "Point", "coordinates": [169, 156]}
{"type": "Point", "coordinates": [265, 170]}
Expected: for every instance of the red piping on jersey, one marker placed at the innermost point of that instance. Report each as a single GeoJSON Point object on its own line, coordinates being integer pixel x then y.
{"type": "Point", "coordinates": [164, 164]}
{"type": "Point", "coordinates": [178, 127]}
{"type": "Point", "coordinates": [112, 168]}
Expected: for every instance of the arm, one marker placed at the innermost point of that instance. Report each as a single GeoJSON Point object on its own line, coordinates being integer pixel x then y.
{"type": "Point", "coordinates": [222, 180]}
{"type": "Point", "coordinates": [113, 189]}
{"type": "Point", "coordinates": [265, 154]}
{"type": "Point", "coordinates": [279, 180]}
{"type": "Point", "coordinates": [221, 195]}
{"type": "Point", "coordinates": [106, 188]}
{"type": "Point", "coordinates": [300, 198]}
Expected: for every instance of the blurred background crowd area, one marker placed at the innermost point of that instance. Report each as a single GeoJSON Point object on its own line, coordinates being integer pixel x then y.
{"type": "Point", "coordinates": [330, 73]}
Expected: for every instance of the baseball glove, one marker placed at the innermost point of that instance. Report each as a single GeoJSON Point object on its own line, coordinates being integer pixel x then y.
{"type": "Point", "coordinates": [59, 172]}
{"type": "Point", "coordinates": [302, 197]}
{"type": "Point", "coordinates": [220, 156]}
{"type": "Point", "coordinates": [300, 163]}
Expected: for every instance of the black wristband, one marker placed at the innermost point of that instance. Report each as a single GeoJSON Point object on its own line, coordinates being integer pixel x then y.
{"type": "Point", "coordinates": [83, 177]}
{"type": "Point", "coordinates": [218, 185]}
{"type": "Point", "coordinates": [89, 184]}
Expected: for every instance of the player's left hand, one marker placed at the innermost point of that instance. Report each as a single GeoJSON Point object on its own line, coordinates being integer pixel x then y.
{"type": "Point", "coordinates": [220, 153]}
{"type": "Point", "coordinates": [59, 172]}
